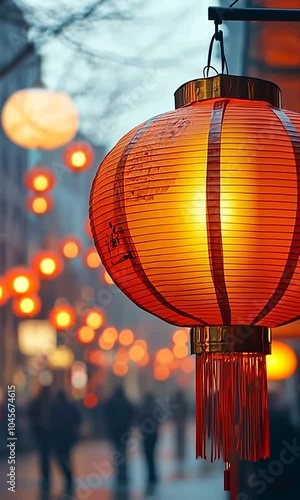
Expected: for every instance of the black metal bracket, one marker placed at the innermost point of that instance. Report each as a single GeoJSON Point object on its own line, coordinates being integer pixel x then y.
{"type": "Point", "coordinates": [220, 14]}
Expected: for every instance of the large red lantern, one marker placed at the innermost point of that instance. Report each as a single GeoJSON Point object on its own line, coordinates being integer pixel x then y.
{"type": "Point", "coordinates": [79, 156]}
{"type": "Point", "coordinates": [196, 217]}
{"type": "Point", "coordinates": [40, 179]}
{"type": "Point", "coordinates": [21, 280]}
{"type": "Point", "coordinates": [48, 264]}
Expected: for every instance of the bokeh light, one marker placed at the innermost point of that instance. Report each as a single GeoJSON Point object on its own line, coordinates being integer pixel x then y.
{"type": "Point", "coordinates": [94, 318]}
{"type": "Point", "coordinates": [136, 353]}
{"type": "Point", "coordinates": [164, 356]}
{"type": "Point", "coordinates": [48, 264]}
{"type": "Point", "coordinates": [120, 369]}
{"type": "Point", "coordinates": [40, 179]}
{"type": "Point", "coordinates": [62, 317]}
{"type": "Point", "coordinates": [180, 337]}
{"type": "Point", "coordinates": [86, 334]}
{"type": "Point", "coordinates": [39, 204]}
{"type": "Point", "coordinates": [21, 280]}
{"type": "Point", "coordinates": [107, 278]}
{"type": "Point", "coordinates": [110, 335]}
{"type": "Point", "coordinates": [180, 351]}
{"type": "Point", "coordinates": [27, 306]}
{"type": "Point", "coordinates": [161, 372]}
{"type": "Point", "coordinates": [4, 295]}
{"type": "Point", "coordinates": [79, 156]}
{"type": "Point", "coordinates": [70, 247]}
{"type": "Point", "coordinates": [91, 258]}
{"type": "Point", "coordinates": [282, 363]}
{"type": "Point", "coordinates": [90, 400]}
{"type": "Point", "coordinates": [126, 337]}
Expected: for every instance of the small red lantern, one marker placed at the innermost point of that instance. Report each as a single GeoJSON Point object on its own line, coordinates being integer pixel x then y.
{"type": "Point", "coordinates": [4, 295]}
{"type": "Point", "coordinates": [39, 204]}
{"type": "Point", "coordinates": [27, 306]}
{"type": "Point", "coordinates": [21, 281]}
{"type": "Point", "coordinates": [62, 317]}
{"type": "Point", "coordinates": [48, 264]}
{"type": "Point", "coordinates": [70, 247]}
{"type": "Point", "coordinates": [79, 156]}
{"type": "Point", "coordinates": [40, 179]}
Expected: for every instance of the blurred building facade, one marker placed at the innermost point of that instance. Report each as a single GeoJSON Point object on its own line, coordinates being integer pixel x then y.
{"type": "Point", "coordinates": [14, 76]}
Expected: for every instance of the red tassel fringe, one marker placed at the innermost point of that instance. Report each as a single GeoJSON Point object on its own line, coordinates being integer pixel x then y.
{"type": "Point", "coordinates": [232, 418]}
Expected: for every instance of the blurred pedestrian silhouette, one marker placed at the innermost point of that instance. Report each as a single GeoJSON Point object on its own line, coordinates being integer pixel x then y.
{"type": "Point", "coordinates": [39, 416]}
{"type": "Point", "coordinates": [277, 477]}
{"type": "Point", "coordinates": [65, 419]}
{"type": "Point", "coordinates": [149, 429]}
{"type": "Point", "coordinates": [119, 414]}
{"type": "Point", "coordinates": [180, 417]}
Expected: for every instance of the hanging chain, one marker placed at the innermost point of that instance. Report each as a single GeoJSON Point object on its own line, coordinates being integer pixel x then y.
{"type": "Point", "coordinates": [218, 37]}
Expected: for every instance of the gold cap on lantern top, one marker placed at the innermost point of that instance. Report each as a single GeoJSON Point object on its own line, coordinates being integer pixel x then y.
{"type": "Point", "coordinates": [230, 339]}
{"type": "Point", "coordinates": [228, 86]}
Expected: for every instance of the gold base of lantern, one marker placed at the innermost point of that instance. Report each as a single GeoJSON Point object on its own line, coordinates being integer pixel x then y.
{"type": "Point", "coordinates": [230, 339]}
{"type": "Point", "coordinates": [228, 86]}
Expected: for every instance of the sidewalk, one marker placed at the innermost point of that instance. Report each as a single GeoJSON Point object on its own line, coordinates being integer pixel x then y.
{"type": "Point", "coordinates": [94, 475]}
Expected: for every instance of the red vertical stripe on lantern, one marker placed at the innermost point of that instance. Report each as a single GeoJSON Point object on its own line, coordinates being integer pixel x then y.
{"type": "Point", "coordinates": [213, 210]}
{"type": "Point", "coordinates": [294, 252]}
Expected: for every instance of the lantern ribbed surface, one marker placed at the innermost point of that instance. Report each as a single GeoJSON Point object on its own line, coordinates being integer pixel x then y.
{"type": "Point", "coordinates": [196, 214]}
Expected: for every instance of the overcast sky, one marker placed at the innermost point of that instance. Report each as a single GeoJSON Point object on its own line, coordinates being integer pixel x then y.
{"type": "Point", "coordinates": [144, 61]}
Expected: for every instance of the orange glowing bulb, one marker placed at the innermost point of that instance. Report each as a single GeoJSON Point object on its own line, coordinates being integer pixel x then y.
{"type": "Point", "coordinates": [21, 284]}
{"type": "Point", "coordinates": [164, 356]}
{"type": "Point", "coordinates": [126, 337]}
{"type": "Point", "coordinates": [144, 361]}
{"type": "Point", "coordinates": [48, 266]}
{"type": "Point", "coordinates": [70, 249]}
{"type": "Point", "coordinates": [136, 353]}
{"type": "Point", "coordinates": [110, 335]}
{"type": "Point", "coordinates": [180, 337]}
{"type": "Point", "coordinates": [106, 346]}
{"type": "Point", "coordinates": [92, 258]}
{"type": "Point", "coordinates": [142, 343]}
{"type": "Point", "coordinates": [108, 279]}
{"type": "Point", "coordinates": [40, 205]}
{"type": "Point", "coordinates": [78, 159]}
{"type": "Point", "coordinates": [282, 363]}
{"type": "Point", "coordinates": [62, 317]}
{"type": "Point", "coordinates": [161, 372]}
{"type": "Point", "coordinates": [120, 369]}
{"type": "Point", "coordinates": [180, 351]}
{"type": "Point", "coordinates": [122, 355]}
{"type": "Point", "coordinates": [27, 305]}
{"type": "Point", "coordinates": [94, 319]}
{"type": "Point", "coordinates": [4, 295]}
{"type": "Point", "coordinates": [40, 183]}
{"type": "Point", "coordinates": [86, 334]}
{"type": "Point", "coordinates": [20, 281]}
